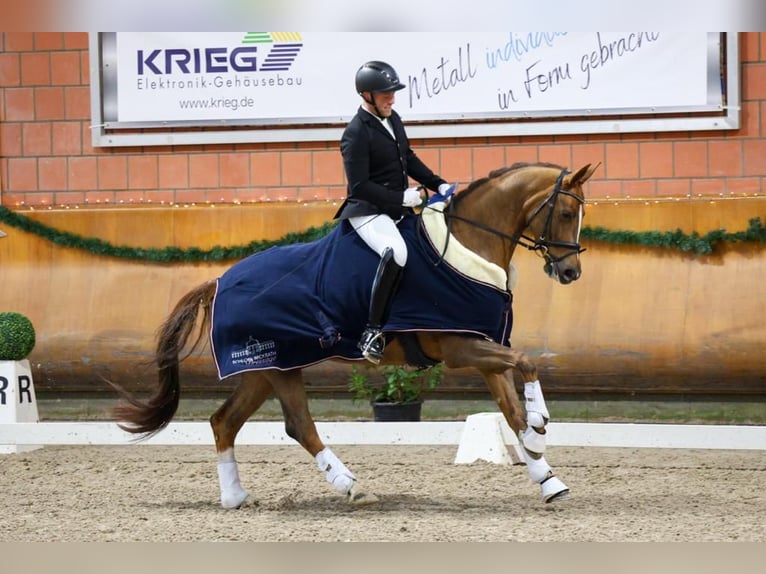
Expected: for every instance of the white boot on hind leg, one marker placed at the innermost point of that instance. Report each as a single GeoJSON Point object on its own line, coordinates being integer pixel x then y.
{"type": "Point", "coordinates": [540, 471]}
{"type": "Point", "coordinates": [335, 471]}
{"type": "Point", "coordinates": [232, 493]}
{"type": "Point", "coordinates": [342, 478]}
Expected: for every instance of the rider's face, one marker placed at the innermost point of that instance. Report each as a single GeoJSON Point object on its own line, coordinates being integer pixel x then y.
{"type": "Point", "coordinates": [384, 101]}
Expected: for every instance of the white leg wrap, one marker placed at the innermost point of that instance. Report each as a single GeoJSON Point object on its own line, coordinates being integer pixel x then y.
{"type": "Point", "coordinates": [336, 472]}
{"type": "Point", "coordinates": [538, 468]}
{"type": "Point", "coordinates": [533, 440]}
{"type": "Point", "coordinates": [551, 487]}
{"type": "Point", "coordinates": [232, 493]}
{"type": "Point", "coordinates": [535, 402]}
{"type": "Point", "coordinates": [537, 417]}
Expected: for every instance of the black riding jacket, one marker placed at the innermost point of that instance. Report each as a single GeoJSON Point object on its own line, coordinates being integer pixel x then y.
{"type": "Point", "coordinates": [378, 167]}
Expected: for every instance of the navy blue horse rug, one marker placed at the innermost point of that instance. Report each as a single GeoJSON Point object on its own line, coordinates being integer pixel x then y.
{"type": "Point", "coordinates": [296, 305]}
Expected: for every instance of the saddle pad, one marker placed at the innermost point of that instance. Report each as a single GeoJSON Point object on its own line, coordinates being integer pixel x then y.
{"type": "Point", "coordinates": [296, 305]}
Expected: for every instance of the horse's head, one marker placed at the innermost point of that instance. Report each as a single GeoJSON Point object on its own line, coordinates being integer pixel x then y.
{"type": "Point", "coordinates": [553, 217]}
{"type": "Point", "coordinates": [538, 206]}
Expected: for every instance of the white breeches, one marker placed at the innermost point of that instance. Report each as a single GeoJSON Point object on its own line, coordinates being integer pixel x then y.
{"type": "Point", "coordinates": [380, 232]}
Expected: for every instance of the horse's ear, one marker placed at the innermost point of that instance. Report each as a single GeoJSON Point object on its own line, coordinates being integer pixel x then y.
{"type": "Point", "coordinates": [582, 175]}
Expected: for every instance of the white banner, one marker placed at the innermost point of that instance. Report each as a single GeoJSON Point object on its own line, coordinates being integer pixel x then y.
{"type": "Point", "coordinates": [275, 78]}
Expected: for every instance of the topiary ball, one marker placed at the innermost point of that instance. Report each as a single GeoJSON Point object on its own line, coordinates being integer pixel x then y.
{"type": "Point", "coordinates": [17, 336]}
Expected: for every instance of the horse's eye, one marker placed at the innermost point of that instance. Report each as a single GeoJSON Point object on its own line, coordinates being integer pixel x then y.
{"type": "Point", "coordinates": [567, 215]}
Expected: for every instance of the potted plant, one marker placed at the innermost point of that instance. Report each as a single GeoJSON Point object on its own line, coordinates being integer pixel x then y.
{"type": "Point", "coordinates": [399, 396]}
{"type": "Point", "coordinates": [17, 336]}
{"type": "Point", "coordinates": [17, 339]}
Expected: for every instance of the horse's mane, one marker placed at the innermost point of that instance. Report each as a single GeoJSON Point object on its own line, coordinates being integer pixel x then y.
{"type": "Point", "coordinates": [494, 174]}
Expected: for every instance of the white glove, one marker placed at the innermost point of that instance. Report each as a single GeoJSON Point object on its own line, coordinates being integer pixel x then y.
{"type": "Point", "coordinates": [447, 189]}
{"type": "Point", "coordinates": [411, 197]}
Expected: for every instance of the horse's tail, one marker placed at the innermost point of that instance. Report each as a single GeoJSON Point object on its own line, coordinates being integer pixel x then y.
{"type": "Point", "coordinates": [148, 417]}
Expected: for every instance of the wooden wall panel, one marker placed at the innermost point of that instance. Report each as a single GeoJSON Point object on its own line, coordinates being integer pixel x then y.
{"type": "Point", "coordinates": [640, 320]}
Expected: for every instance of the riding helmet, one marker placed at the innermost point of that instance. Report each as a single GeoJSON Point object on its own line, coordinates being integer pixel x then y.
{"type": "Point", "coordinates": [376, 76]}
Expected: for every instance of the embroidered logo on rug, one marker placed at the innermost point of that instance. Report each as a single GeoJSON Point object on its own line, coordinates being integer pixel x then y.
{"type": "Point", "coordinates": [255, 352]}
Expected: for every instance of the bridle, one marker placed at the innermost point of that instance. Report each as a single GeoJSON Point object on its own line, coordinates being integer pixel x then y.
{"type": "Point", "coordinates": [541, 244]}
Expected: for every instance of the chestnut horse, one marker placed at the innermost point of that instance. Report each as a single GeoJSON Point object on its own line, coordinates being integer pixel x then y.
{"type": "Point", "coordinates": [538, 206]}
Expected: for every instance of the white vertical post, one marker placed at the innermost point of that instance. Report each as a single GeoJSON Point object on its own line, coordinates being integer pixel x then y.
{"type": "Point", "coordinates": [18, 403]}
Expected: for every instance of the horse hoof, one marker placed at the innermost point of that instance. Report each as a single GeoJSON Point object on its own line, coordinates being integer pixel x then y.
{"type": "Point", "coordinates": [558, 497]}
{"type": "Point", "coordinates": [242, 500]}
{"type": "Point", "coordinates": [554, 490]}
{"type": "Point", "coordinates": [357, 498]}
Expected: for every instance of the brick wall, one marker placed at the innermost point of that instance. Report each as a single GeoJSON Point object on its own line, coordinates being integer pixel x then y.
{"type": "Point", "coordinates": [46, 156]}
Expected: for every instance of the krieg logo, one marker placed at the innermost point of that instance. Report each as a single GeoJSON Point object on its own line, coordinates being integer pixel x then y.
{"type": "Point", "coordinates": [283, 47]}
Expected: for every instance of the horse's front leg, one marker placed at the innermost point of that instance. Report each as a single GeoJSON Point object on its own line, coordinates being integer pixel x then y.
{"type": "Point", "coordinates": [300, 426]}
{"type": "Point", "coordinates": [507, 400]}
{"type": "Point", "coordinates": [495, 362]}
{"type": "Point", "coordinates": [533, 441]}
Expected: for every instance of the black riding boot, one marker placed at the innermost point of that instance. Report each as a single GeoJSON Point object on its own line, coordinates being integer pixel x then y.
{"type": "Point", "coordinates": [386, 282]}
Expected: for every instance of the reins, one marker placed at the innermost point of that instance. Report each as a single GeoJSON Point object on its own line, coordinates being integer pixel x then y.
{"type": "Point", "coordinates": [539, 245]}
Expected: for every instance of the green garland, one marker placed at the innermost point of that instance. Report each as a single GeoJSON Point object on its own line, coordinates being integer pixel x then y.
{"type": "Point", "coordinates": [678, 240]}
{"type": "Point", "coordinates": [161, 255]}
{"type": "Point", "coordinates": [675, 240]}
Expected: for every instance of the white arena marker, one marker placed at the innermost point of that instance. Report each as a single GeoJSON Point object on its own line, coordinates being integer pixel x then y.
{"type": "Point", "coordinates": [18, 403]}
{"type": "Point", "coordinates": [484, 437]}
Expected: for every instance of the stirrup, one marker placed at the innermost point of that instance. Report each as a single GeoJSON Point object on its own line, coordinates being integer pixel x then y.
{"type": "Point", "coordinates": [373, 344]}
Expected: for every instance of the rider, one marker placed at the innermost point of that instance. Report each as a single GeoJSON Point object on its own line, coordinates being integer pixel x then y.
{"type": "Point", "coordinates": [378, 161]}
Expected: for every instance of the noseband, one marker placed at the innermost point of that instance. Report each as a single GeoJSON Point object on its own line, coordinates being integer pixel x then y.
{"type": "Point", "coordinates": [542, 243]}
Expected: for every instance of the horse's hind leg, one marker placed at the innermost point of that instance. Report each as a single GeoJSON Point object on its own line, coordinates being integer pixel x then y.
{"type": "Point", "coordinates": [226, 422]}
{"type": "Point", "coordinates": [299, 425]}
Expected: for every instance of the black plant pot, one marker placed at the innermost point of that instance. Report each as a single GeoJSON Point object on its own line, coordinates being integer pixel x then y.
{"type": "Point", "coordinates": [396, 412]}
